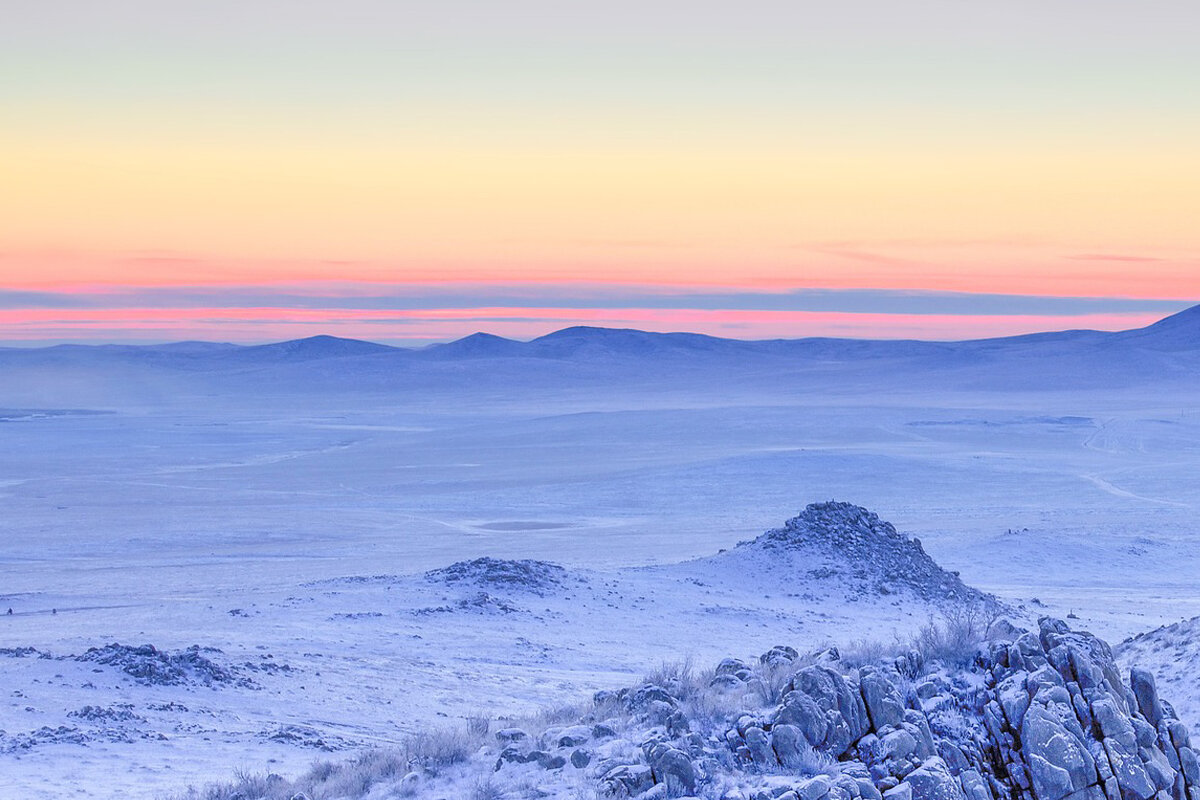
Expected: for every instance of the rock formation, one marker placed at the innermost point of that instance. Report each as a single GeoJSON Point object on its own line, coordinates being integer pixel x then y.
{"type": "Point", "coordinates": [1046, 716]}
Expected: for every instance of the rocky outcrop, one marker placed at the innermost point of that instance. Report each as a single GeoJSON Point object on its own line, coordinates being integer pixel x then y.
{"type": "Point", "coordinates": [527, 575]}
{"type": "Point", "coordinates": [150, 666]}
{"type": "Point", "coordinates": [1045, 716]}
{"type": "Point", "coordinates": [854, 545]}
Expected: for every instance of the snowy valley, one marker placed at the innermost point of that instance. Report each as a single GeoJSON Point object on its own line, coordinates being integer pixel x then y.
{"type": "Point", "coordinates": [224, 558]}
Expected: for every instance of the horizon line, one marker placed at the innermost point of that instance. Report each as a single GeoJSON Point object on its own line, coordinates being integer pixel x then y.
{"type": "Point", "coordinates": [46, 344]}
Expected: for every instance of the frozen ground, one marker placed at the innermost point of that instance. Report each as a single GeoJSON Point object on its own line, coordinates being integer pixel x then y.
{"type": "Point", "coordinates": [282, 508]}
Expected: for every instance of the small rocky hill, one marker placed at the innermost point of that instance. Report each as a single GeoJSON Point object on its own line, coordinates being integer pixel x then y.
{"type": "Point", "coordinates": [525, 575]}
{"type": "Point", "coordinates": [860, 552]}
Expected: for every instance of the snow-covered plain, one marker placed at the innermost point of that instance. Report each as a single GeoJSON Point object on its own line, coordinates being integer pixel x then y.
{"type": "Point", "coordinates": [281, 504]}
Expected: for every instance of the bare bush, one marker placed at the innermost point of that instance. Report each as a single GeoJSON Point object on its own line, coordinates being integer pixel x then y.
{"type": "Point", "coordinates": [863, 651]}
{"type": "Point", "coordinates": [955, 639]}
{"type": "Point", "coordinates": [435, 749]}
{"type": "Point", "coordinates": [486, 789]}
{"type": "Point", "coordinates": [769, 682]}
{"type": "Point", "coordinates": [478, 725]}
{"type": "Point", "coordinates": [808, 761]}
{"type": "Point", "coordinates": [679, 678]}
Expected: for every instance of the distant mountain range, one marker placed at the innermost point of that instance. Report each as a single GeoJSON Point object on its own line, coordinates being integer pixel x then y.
{"type": "Point", "coordinates": [1180, 331]}
{"type": "Point", "coordinates": [1167, 351]}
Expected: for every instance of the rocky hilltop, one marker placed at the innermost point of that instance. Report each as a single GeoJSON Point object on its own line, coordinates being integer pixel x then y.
{"type": "Point", "coordinates": [863, 554]}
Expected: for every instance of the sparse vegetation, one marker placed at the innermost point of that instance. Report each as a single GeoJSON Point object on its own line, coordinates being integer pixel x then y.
{"type": "Point", "coordinates": [486, 789]}
{"type": "Point", "coordinates": [726, 732]}
{"type": "Point", "coordinates": [955, 640]}
{"type": "Point", "coordinates": [426, 753]}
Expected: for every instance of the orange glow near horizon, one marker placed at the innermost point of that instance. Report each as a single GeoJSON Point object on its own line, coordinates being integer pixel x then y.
{"type": "Point", "coordinates": [1018, 218]}
{"type": "Point", "coordinates": [658, 147]}
{"type": "Point", "coordinates": [1028, 270]}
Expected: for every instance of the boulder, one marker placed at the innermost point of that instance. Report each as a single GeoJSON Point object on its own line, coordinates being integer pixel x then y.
{"type": "Point", "coordinates": [1142, 683]}
{"type": "Point", "coordinates": [671, 763]}
{"type": "Point", "coordinates": [883, 703]}
{"type": "Point", "coordinates": [628, 780]}
{"type": "Point", "coordinates": [801, 711]}
{"type": "Point", "coordinates": [933, 781]}
{"type": "Point", "coordinates": [1059, 762]}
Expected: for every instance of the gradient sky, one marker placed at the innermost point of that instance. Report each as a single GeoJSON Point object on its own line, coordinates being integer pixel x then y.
{"type": "Point", "coordinates": [253, 170]}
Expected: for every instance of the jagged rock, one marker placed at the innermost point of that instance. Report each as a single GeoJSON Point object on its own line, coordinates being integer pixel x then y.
{"type": "Point", "coordinates": [800, 710]}
{"type": "Point", "coordinates": [933, 781]}
{"type": "Point", "coordinates": [536, 577]}
{"type": "Point", "coordinates": [788, 743]}
{"type": "Point", "coordinates": [1147, 736]}
{"type": "Point", "coordinates": [510, 755]}
{"type": "Point", "coordinates": [549, 761]}
{"type": "Point", "coordinates": [1158, 766]}
{"type": "Point", "coordinates": [1142, 683]}
{"type": "Point", "coordinates": [918, 726]}
{"type": "Point", "coordinates": [898, 745]}
{"type": "Point", "coordinates": [883, 703]}
{"type": "Point", "coordinates": [153, 667]}
{"type": "Point", "coordinates": [845, 713]}
{"type": "Point", "coordinates": [1059, 762]}
{"type": "Point", "coordinates": [1112, 723]}
{"type": "Point", "coordinates": [1189, 765]}
{"type": "Point", "coordinates": [641, 698]}
{"type": "Point", "coordinates": [973, 785]}
{"type": "Point", "coordinates": [1045, 717]}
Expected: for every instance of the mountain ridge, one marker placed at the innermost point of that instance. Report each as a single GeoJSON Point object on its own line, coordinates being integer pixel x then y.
{"type": "Point", "coordinates": [1179, 331]}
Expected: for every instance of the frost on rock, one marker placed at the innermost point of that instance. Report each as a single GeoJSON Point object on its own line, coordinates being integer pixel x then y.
{"type": "Point", "coordinates": [305, 736]}
{"type": "Point", "coordinates": [1045, 716]}
{"type": "Point", "coordinates": [153, 667]}
{"type": "Point", "coordinates": [537, 577]}
{"type": "Point", "coordinates": [864, 550]}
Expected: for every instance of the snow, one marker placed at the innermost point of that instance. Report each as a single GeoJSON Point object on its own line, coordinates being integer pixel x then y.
{"type": "Point", "coordinates": [285, 508]}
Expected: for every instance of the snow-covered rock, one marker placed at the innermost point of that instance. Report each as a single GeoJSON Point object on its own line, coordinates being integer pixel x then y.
{"type": "Point", "coordinates": [1046, 716]}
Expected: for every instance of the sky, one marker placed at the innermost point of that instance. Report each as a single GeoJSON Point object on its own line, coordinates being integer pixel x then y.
{"type": "Point", "coordinates": [256, 170]}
